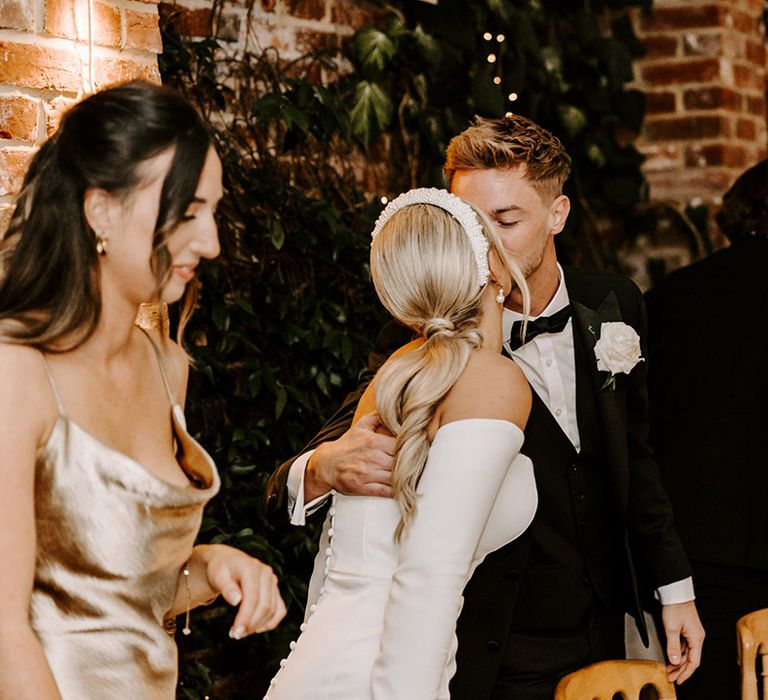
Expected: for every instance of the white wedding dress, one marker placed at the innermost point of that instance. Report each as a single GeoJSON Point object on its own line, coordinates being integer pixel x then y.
{"type": "Point", "coordinates": [381, 616]}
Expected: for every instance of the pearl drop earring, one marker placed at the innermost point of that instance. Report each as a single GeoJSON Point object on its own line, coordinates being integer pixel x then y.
{"type": "Point", "coordinates": [500, 296]}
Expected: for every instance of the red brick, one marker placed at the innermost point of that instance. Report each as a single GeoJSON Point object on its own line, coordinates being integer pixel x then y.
{"type": "Point", "coordinates": [306, 9]}
{"type": "Point", "coordinates": [756, 5]}
{"type": "Point", "coordinates": [108, 71]}
{"type": "Point", "coordinates": [756, 105]}
{"type": "Point", "coordinates": [349, 14]}
{"type": "Point", "coordinates": [703, 44]}
{"type": "Point", "coordinates": [756, 52]}
{"type": "Point", "coordinates": [17, 14]}
{"type": "Point", "coordinates": [69, 19]}
{"type": "Point", "coordinates": [13, 166]}
{"type": "Point", "coordinates": [18, 118]}
{"type": "Point", "coordinates": [309, 41]}
{"type": "Point", "coordinates": [660, 46]}
{"type": "Point", "coordinates": [687, 128]}
{"type": "Point", "coordinates": [188, 22]}
{"type": "Point", "coordinates": [660, 102]}
{"type": "Point", "coordinates": [698, 70]}
{"type": "Point", "coordinates": [54, 110]}
{"type": "Point", "coordinates": [712, 98]}
{"type": "Point", "coordinates": [714, 154]}
{"type": "Point", "coordinates": [748, 76]}
{"type": "Point", "coordinates": [688, 17]}
{"type": "Point", "coordinates": [683, 185]}
{"type": "Point", "coordinates": [746, 129]}
{"type": "Point", "coordinates": [28, 65]}
{"type": "Point", "coordinates": [142, 31]}
{"type": "Point", "coordinates": [748, 24]}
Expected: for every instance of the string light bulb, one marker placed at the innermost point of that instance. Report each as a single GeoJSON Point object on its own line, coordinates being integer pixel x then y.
{"type": "Point", "coordinates": [491, 58]}
{"type": "Point", "coordinates": [497, 80]}
{"type": "Point", "coordinates": [500, 37]}
{"type": "Point", "coordinates": [384, 200]}
{"type": "Point", "coordinates": [487, 36]}
{"type": "Point", "coordinates": [512, 96]}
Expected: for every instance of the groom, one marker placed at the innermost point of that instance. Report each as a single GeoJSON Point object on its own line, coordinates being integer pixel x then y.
{"type": "Point", "coordinates": [553, 600]}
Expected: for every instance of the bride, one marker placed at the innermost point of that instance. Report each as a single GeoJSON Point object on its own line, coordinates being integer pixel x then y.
{"type": "Point", "coordinates": [387, 586]}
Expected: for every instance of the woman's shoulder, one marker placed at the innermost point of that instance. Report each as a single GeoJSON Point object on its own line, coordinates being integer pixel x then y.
{"type": "Point", "coordinates": [491, 386]}
{"type": "Point", "coordinates": [27, 396]}
{"type": "Point", "coordinates": [20, 365]}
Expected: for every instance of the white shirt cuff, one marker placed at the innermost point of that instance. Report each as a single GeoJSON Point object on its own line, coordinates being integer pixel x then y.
{"type": "Point", "coordinates": [677, 592]}
{"type": "Point", "coordinates": [297, 509]}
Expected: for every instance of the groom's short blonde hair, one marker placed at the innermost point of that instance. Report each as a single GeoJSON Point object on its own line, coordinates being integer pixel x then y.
{"type": "Point", "coordinates": [511, 142]}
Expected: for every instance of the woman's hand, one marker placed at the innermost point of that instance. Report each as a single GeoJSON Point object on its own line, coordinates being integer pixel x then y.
{"type": "Point", "coordinates": [247, 582]}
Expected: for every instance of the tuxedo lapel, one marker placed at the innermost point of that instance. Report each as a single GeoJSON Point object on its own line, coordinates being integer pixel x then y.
{"type": "Point", "coordinates": [610, 403]}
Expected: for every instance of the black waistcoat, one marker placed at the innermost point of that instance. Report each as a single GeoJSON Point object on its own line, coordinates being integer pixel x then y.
{"type": "Point", "coordinates": [576, 540]}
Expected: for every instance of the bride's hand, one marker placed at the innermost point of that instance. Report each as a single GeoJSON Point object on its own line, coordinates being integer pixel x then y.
{"type": "Point", "coordinates": [249, 583]}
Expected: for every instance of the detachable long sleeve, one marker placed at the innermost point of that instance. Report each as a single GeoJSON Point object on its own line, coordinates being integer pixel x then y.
{"type": "Point", "coordinates": [467, 464]}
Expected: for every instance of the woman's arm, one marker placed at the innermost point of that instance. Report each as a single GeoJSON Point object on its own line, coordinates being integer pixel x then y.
{"type": "Point", "coordinates": [27, 414]}
{"type": "Point", "coordinates": [217, 569]}
{"type": "Point", "coordinates": [467, 465]}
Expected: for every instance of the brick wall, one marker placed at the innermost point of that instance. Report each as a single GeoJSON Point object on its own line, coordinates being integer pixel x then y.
{"type": "Point", "coordinates": [49, 59]}
{"type": "Point", "coordinates": [292, 27]}
{"type": "Point", "coordinates": [704, 75]}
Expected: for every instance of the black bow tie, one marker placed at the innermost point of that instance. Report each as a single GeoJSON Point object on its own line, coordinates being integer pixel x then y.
{"type": "Point", "coordinates": [543, 324]}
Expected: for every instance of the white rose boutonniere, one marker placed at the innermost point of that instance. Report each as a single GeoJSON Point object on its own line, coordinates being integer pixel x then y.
{"type": "Point", "coordinates": [617, 350]}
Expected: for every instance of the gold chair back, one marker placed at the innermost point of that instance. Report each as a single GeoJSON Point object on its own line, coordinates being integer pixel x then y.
{"type": "Point", "coordinates": [609, 679]}
{"type": "Point", "coordinates": [752, 639]}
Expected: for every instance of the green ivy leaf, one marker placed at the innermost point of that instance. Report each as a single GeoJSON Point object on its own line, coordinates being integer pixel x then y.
{"type": "Point", "coordinates": [374, 50]}
{"type": "Point", "coordinates": [281, 399]}
{"type": "Point", "coordinates": [572, 119]}
{"type": "Point", "coordinates": [371, 111]}
{"type": "Point", "coordinates": [276, 232]}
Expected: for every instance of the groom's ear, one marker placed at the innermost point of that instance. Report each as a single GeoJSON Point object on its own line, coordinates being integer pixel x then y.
{"type": "Point", "coordinates": [558, 214]}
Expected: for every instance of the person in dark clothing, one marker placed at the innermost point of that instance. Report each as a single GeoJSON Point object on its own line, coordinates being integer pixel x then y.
{"type": "Point", "coordinates": [708, 344]}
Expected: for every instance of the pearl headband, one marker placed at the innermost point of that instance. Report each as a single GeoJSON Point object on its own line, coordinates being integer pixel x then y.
{"type": "Point", "coordinates": [457, 208]}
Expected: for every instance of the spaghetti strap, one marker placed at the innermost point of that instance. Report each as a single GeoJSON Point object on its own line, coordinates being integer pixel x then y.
{"type": "Point", "coordinates": [54, 388]}
{"type": "Point", "coordinates": [161, 364]}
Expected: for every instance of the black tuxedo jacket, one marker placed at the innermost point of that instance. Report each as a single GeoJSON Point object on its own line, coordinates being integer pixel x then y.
{"type": "Point", "coordinates": [708, 383]}
{"type": "Point", "coordinates": [640, 515]}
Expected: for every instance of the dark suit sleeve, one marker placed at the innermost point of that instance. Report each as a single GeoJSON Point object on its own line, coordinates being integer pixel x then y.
{"type": "Point", "coordinates": [650, 522]}
{"type": "Point", "coordinates": [392, 336]}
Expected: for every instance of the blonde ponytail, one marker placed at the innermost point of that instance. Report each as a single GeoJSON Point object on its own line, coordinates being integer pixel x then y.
{"type": "Point", "coordinates": [425, 274]}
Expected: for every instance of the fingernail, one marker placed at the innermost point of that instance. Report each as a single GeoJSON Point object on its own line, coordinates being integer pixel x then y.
{"type": "Point", "coordinates": [237, 633]}
{"type": "Point", "coordinates": [674, 659]}
{"type": "Point", "coordinates": [236, 597]}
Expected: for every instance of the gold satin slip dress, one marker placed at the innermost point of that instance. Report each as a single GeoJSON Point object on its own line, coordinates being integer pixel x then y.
{"type": "Point", "coordinates": [111, 540]}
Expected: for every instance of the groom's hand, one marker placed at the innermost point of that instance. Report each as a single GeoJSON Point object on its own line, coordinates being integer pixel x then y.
{"type": "Point", "coordinates": [359, 463]}
{"type": "Point", "coordinates": [685, 637]}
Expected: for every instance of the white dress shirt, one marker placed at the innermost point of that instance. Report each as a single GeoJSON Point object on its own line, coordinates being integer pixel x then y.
{"type": "Point", "coordinates": [548, 362]}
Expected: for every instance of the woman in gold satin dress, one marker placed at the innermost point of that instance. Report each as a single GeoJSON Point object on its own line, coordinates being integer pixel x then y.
{"type": "Point", "coordinates": [101, 487]}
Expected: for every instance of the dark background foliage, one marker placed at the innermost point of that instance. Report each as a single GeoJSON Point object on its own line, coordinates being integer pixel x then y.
{"type": "Point", "coordinates": [287, 313]}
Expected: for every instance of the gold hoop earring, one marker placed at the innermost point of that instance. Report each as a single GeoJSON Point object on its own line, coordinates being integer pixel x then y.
{"type": "Point", "coordinates": [102, 241]}
{"type": "Point", "coordinates": [500, 296]}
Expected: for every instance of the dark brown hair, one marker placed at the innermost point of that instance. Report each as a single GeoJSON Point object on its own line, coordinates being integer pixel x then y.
{"type": "Point", "coordinates": [745, 205]}
{"type": "Point", "coordinates": [49, 272]}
